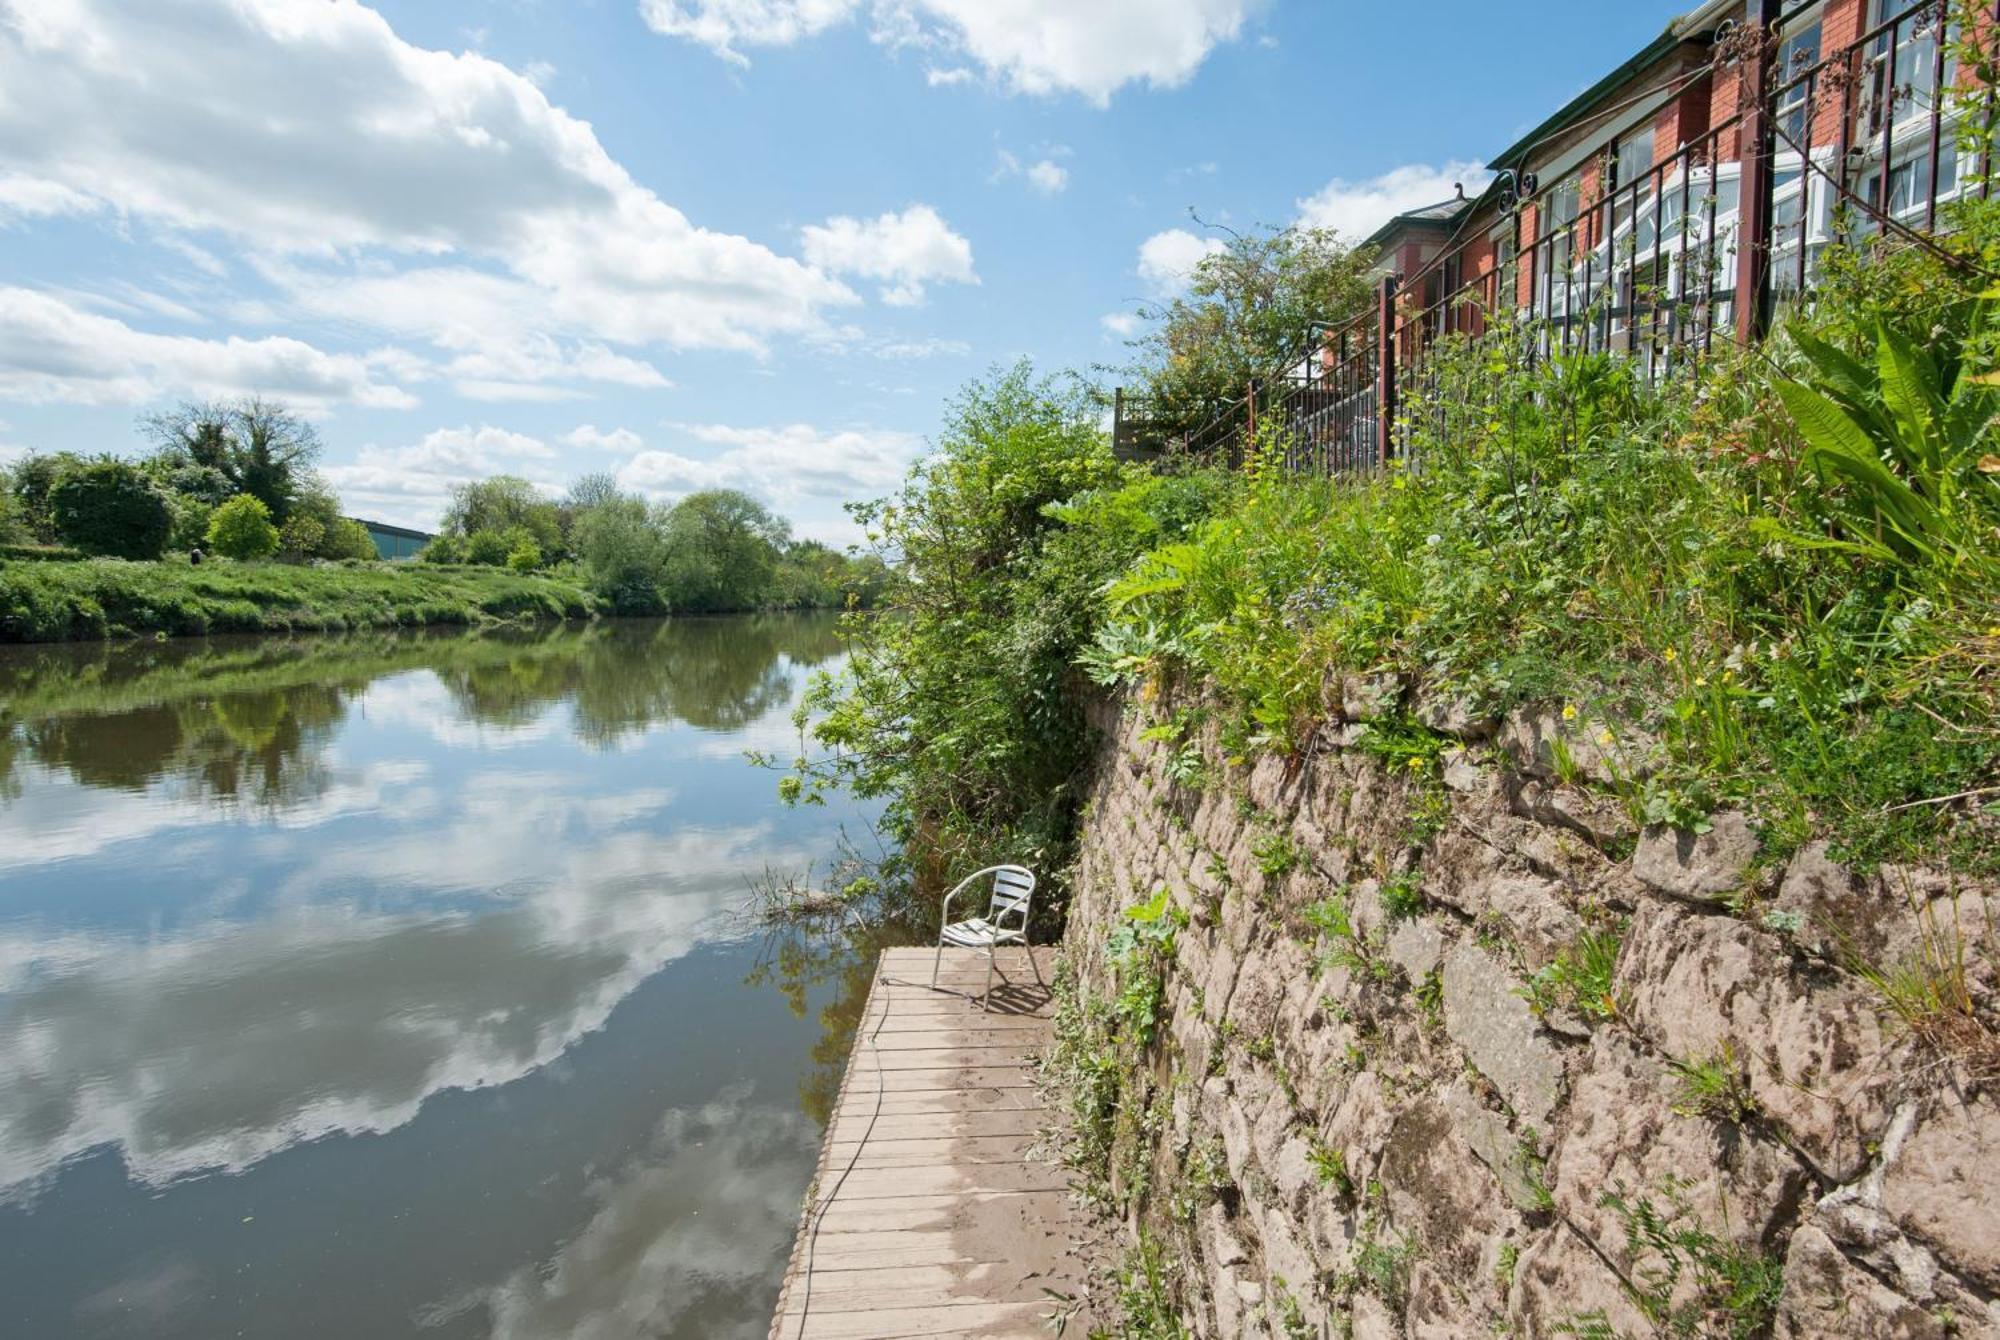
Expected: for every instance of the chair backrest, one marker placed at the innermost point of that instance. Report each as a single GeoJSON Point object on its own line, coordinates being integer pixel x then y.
{"type": "Point", "coordinates": [1013, 885]}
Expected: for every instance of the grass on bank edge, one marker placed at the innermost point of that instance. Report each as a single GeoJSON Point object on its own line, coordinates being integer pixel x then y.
{"type": "Point", "coordinates": [100, 598]}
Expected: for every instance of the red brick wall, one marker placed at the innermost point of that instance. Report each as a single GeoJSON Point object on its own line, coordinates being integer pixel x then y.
{"type": "Point", "coordinates": [1725, 95]}
{"type": "Point", "coordinates": [1524, 291]}
{"type": "Point", "coordinates": [1682, 121]}
{"type": "Point", "coordinates": [1841, 25]}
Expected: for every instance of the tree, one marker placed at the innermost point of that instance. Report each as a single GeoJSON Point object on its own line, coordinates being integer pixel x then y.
{"type": "Point", "coordinates": [347, 538]}
{"type": "Point", "coordinates": [110, 507]}
{"type": "Point", "coordinates": [487, 547]}
{"type": "Point", "coordinates": [241, 528]}
{"type": "Point", "coordinates": [191, 516]}
{"type": "Point", "coordinates": [721, 548]}
{"type": "Point", "coordinates": [34, 478]}
{"type": "Point", "coordinates": [301, 536]}
{"type": "Point", "coordinates": [622, 552]}
{"type": "Point", "coordinates": [444, 549]}
{"type": "Point", "coordinates": [525, 556]}
{"type": "Point", "coordinates": [1248, 309]}
{"type": "Point", "coordinates": [261, 447]}
{"type": "Point", "coordinates": [960, 710]}
{"type": "Point", "coordinates": [500, 504]}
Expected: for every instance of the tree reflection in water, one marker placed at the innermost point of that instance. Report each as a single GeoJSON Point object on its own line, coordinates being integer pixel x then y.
{"type": "Point", "coordinates": [249, 719]}
{"type": "Point", "coordinates": [839, 952]}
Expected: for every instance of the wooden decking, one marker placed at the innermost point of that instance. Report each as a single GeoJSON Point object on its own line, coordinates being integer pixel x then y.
{"type": "Point", "coordinates": [928, 1216]}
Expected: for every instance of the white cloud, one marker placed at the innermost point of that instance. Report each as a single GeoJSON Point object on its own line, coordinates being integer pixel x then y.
{"type": "Point", "coordinates": [1048, 177]}
{"type": "Point", "coordinates": [410, 485]}
{"type": "Point", "coordinates": [724, 25]}
{"type": "Point", "coordinates": [1032, 46]}
{"type": "Point", "coordinates": [1045, 175]}
{"type": "Point", "coordinates": [325, 144]}
{"type": "Point", "coordinates": [1354, 209]}
{"type": "Point", "coordinates": [592, 438]}
{"type": "Point", "coordinates": [783, 465]}
{"type": "Point", "coordinates": [1061, 46]}
{"type": "Point", "coordinates": [903, 251]}
{"type": "Point", "coordinates": [1167, 260]}
{"type": "Point", "coordinates": [52, 351]}
{"type": "Point", "coordinates": [928, 347]}
{"type": "Point", "coordinates": [1122, 324]}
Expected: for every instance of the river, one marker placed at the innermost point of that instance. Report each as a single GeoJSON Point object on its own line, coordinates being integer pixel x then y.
{"type": "Point", "coordinates": [398, 984]}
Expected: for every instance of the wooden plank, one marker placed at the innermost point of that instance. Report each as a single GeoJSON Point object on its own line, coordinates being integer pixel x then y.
{"type": "Point", "coordinates": [932, 1213]}
{"type": "Point", "coordinates": [1027, 1321]}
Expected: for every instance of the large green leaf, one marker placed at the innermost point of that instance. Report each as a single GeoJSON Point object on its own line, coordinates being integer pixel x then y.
{"type": "Point", "coordinates": [1910, 390]}
{"type": "Point", "coordinates": [1838, 449]}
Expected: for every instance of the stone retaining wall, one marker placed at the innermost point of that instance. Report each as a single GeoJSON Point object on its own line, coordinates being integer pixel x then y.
{"type": "Point", "coordinates": [1378, 1135]}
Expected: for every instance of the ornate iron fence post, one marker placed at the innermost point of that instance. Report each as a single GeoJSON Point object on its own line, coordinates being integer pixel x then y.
{"type": "Point", "coordinates": [1385, 371]}
{"type": "Point", "coordinates": [1759, 146]}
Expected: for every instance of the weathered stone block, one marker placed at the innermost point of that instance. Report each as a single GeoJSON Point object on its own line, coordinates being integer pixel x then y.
{"type": "Point", "coordinates": [1827, 1295]}
{"type": "Point", "coordinates": [1943, 1185]}
{"type": "Point", "coordinates": [1697, 867]}
{"type": "Point", "coordinates": [1808, 1039]}
{"type": "Point", "coordinates": [1486, 1016]}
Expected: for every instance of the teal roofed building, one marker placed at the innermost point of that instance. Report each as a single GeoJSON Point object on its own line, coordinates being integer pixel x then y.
{"type": "Point", "coordinates": [396, 542]}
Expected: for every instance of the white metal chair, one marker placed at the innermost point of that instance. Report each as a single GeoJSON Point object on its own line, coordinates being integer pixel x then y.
{"type": "Point", "coordinates": [1013, 886]}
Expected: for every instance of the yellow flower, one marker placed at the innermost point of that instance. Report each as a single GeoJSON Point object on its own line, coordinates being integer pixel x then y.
{"type": "Point", "coordinates": [1569, 712]}
{"type": "Point", "coordinates": [1701, 681]}
{"type": "Point", "coordinates": [1604, 737]}
{"type": "Point", "coordinates": [1994, 631]}
{"type": "Point", "coordinates": [1668, 655]}
{"type": "Point", "coordinates": [1416, 765]}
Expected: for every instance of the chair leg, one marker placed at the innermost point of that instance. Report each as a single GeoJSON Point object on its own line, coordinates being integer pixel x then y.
{"type": "Point", "coordinates": [937, 960]}
{"type": "Point", "coordinates": [986, 1001]}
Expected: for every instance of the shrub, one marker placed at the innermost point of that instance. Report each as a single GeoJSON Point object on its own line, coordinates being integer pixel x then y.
{"type": "Point", "coordinates": [444, 549]}
{"type": "Point", "coordinates": [241, 528]}
{"type": "Point", "coordinates": [109, 507]}
{"type": "Point", "coordinates": [301, 536]}
{"type": "Point", "coordinates": [191, 516]}
{"type": "Point", "coordinates": [347, 539]}
{"type": "Point", "coordinates": [525, 556]}
{"type": "Point", "coordinates": [488, 548]}
{"type": "Point", "coordinates": [963, 708]}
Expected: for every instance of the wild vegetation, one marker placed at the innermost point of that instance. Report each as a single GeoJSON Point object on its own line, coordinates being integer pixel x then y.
{"type": "Point", "coordinates": [235, 481]}
{"type": "Point", "coordinates": [96, 598]}
{"type": "Point", "coordinates": [714, 551]}
{"type": "Point", "coordinates": [1780, 579]}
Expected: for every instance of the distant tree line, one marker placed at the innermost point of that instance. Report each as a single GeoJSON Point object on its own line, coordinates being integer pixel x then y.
{"type": "Point", "coordinates": [234, 478]}
{"type": "Point", "coordinates": [714, 551]}
{"type": "Point", "coordinates": [237, 479]}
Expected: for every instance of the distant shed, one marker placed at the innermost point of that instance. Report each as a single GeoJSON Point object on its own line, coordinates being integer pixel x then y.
{"type": "Point", "coordinates": [396, 542]}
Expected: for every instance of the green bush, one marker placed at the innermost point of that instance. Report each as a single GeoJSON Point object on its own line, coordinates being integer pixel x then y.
{"type": "Point", "coordinates": [241, 528]}
{"type": "Point", "coordinates": [348, 540]}
{"type": "Point", "coordinates": [444, 549]}
{"type": "Point", "coordinates": [40, 553]}
{"type": "Point", "coordinates": [487, 548]}
{"type": "Point", "coordinates": [109, 507]}
{"type": "Point", "coordinates": [191, 516]}
{"type": "Point", "coordinates": [525, 556]}
{"type": "Point", "coordinates": [301, 536]}
{"type": "Point", "coordinates": [962, 709]}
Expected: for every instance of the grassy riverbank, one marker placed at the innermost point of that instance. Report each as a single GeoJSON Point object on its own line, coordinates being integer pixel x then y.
{"type": "Point", "coordinates": [72, 601]}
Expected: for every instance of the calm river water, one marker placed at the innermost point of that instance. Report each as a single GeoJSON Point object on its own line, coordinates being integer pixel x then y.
{"type": "Point", "coordinates": [394, 985]}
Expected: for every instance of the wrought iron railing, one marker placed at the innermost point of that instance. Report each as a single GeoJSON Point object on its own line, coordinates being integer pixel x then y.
{"type": "Point", "coordinates": [1823, 149]}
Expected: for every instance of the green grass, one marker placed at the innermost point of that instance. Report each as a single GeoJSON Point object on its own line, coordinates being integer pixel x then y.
{"type": "Point", "coordinates": [105, 598]}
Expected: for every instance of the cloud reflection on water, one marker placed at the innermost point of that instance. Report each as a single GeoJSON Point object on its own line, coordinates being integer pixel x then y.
{"type": "Point", "coordinates": [686, 1238]}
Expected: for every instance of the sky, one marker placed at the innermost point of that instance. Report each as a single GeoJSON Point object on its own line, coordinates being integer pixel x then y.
{"type": "Point", "coordinates": [694, 243]}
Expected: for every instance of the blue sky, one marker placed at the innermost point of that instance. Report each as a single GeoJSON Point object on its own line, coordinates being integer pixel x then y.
{"type": "Point", "coordinates": [753, 243]}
